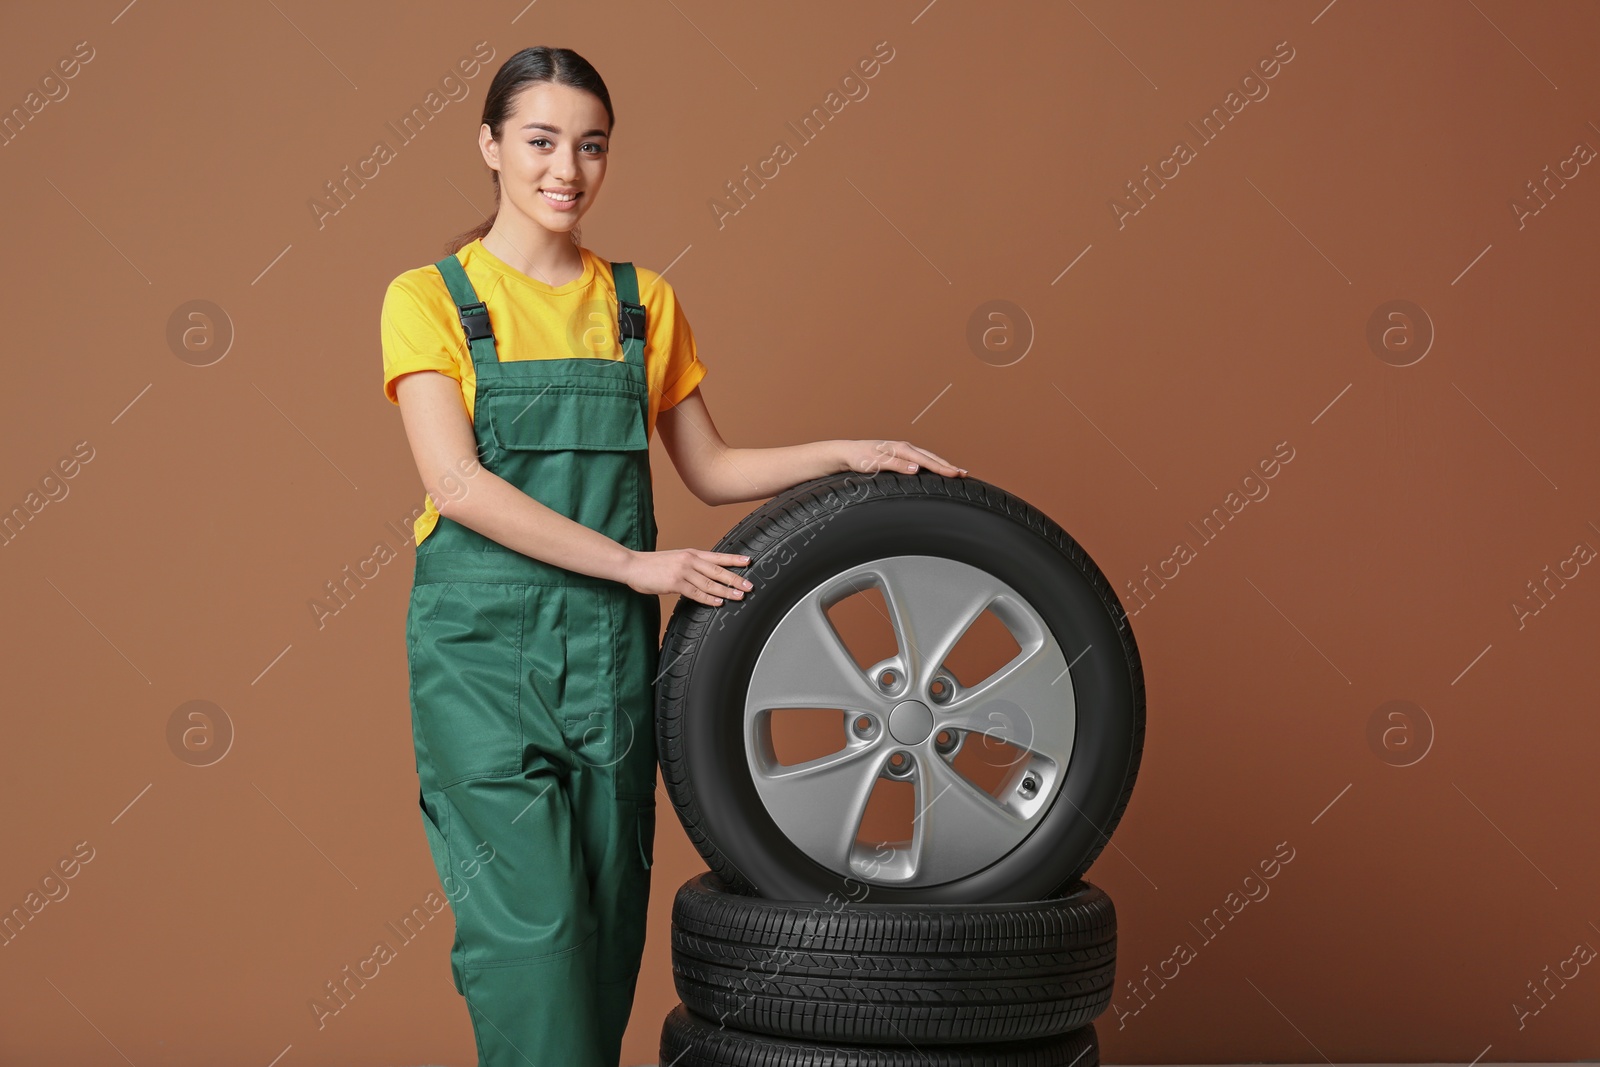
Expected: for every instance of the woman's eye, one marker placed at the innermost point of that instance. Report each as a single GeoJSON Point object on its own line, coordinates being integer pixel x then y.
{"type": "Point", "coordinates": [538, 140]}
{"type": "Point", "coordinates": [595, 145]}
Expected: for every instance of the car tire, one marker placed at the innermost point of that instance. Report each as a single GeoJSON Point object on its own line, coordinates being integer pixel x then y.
{"type": "Point", "coordinates": [935, 548]}
{"type": "Point", "coordinates": [689, 1040]}
{"type": "Point", "coordinates": [922, 974]}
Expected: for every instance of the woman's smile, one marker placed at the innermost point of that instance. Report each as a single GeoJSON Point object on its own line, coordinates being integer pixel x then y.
{"type": "Point", "coordinates": [561, 199]}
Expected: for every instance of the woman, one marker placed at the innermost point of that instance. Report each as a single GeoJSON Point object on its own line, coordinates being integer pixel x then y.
{"type": "Point", "coordinates": [534, 627]}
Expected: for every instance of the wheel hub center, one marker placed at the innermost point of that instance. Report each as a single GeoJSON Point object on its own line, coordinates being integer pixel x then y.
{"type": "Point", "coordinates": [910, 722]}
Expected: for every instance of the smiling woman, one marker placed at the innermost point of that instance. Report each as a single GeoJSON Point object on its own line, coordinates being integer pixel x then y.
{"type": "Point", "coordinates": [530, 373]}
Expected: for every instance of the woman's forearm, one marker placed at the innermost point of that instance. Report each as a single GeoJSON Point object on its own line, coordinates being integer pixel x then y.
{"type": "Point", "coordinates": [501, 512]}
{"type": "Point", "coordinates": [742, 474]}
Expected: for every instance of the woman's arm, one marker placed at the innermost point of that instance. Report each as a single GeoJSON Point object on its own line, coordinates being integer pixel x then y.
{"type": "Point", "coordinates": [446, 453]}
{"type": "Point", "coordinates": [720, 474]}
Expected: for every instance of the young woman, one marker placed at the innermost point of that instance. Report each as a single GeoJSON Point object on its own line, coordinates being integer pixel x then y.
{"type": "Point", "coordinates": [529, 374]}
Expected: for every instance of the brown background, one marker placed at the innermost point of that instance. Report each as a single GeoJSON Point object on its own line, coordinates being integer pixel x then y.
{"type": "Point", "coordinates": [1229, 315]}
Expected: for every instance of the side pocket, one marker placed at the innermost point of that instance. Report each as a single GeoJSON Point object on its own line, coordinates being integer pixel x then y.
{"type": "Point", "coordinates": [466, 684]}
{"type": "Point", "coordinates": [647, 831]}
{"type": "Point", "coordinates": [419, 612]}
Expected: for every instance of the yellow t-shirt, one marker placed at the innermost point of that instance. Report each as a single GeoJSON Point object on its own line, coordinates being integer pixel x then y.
{"type": "Point", "coordinates": [421, 330]}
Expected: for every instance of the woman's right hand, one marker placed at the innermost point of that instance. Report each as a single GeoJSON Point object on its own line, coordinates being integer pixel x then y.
{"type": "Point", "coordinates": [692, 572]}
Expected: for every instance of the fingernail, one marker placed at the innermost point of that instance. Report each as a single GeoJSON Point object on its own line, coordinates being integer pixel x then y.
{"type": "Point", "coordinates": [913, 467]}
{"type": "Point", "coordinates": [747, 585]}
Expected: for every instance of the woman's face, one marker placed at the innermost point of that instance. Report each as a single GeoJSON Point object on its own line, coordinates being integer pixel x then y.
{"type": "Point", "coordinates": [553, 143]}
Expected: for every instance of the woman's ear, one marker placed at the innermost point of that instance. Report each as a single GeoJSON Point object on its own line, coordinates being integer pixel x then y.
{"type": "Point", "coordinates": [489, 147]}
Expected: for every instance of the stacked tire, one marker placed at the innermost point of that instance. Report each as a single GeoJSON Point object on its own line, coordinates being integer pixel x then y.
{"type": "Point", "coordinates": [973, 938]}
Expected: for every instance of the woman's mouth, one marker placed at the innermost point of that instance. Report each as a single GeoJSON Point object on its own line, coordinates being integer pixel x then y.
{"type": "Point", "coordinates": [561, 199]}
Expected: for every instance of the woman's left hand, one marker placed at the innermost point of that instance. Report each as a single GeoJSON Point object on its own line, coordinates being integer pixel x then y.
{"type": "Point", "coordinates": [870, 457]}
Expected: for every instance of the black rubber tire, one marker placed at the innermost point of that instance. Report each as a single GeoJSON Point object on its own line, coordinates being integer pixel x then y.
{"type": "Point", "coordinates": [894, 973]}
{"type": "Point", "coordinates": [820, 528]}
{"type": "Point", "coordinates": [688, 1040]}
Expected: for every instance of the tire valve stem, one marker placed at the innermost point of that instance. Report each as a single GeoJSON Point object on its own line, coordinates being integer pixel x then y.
{"type": "Point", "coordinates": [1029, 786]}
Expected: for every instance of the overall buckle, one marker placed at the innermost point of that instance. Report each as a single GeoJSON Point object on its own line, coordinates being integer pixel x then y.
{"type": "Point", "coordinates": [630, 320]}
{"type": "Point", "coordinates": [475, 320]}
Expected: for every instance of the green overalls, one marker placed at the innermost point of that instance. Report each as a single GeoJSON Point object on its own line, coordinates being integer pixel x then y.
{"type": "Point", "coordinates": [532, 706]}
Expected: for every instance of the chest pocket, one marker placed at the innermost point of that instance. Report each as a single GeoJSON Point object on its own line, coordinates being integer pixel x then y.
{"type": "Point", "coordinates": [581, 450]}
{"type": "Point", "coordinates": [582, 417]}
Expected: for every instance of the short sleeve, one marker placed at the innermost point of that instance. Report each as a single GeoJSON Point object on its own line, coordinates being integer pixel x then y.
{"type": "Point", "coordinates": [412, 339]}
{"type": "Point", "coordinates": [671, 334]}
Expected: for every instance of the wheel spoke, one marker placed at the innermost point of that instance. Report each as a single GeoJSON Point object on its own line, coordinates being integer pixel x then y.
{"type": "Point", "coordinates": [1027, 703]}
{"type": "Point", "coordinates": [805, 665]}
{"type": "Point", "coordinates": [959, 827]}
{"type": "Point", "coordinates": [818, 804]}
{"type": "Point", "coordinates": [932, 602]}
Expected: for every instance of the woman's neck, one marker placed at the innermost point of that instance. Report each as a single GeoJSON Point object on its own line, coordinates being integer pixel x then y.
{"type": "Point", "coordinates": [552, 258]}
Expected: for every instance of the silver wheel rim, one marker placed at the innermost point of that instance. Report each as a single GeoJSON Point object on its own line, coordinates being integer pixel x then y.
{"type": "Point", "coordinates": [958, 827]}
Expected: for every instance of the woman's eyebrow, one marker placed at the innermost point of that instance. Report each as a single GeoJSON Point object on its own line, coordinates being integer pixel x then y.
{"type": "Point", "coordinates": [557, 129]}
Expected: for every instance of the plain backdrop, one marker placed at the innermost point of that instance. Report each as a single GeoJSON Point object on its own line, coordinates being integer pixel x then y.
{"type": "Point", "coordinates": [1382, 662]}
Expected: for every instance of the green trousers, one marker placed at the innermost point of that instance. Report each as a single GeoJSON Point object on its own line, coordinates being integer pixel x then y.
{"type": "Point", "coordinates": [532, 697]}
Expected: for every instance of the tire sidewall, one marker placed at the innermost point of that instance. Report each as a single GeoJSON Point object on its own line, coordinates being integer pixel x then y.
{"type": "Point", "coordinates": [860, 524]}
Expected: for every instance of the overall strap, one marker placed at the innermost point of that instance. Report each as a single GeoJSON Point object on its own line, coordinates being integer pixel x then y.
{"type": "Point", "coordinates": [474, 314]}
{"type": "Point", "coordinates": [630, 312]}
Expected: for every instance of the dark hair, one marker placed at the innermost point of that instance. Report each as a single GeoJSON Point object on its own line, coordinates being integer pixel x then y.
{"type": "Point", "coordinates": [558, 66]}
